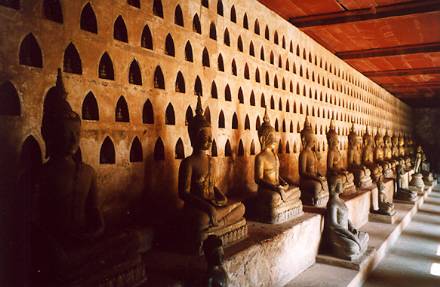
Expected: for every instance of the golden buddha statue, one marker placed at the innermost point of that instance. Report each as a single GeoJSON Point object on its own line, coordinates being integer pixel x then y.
{"type": "Point", "coordinates": [361, 173]}
{"type": "Point", "coordinates": [335, 166]}
{"type": "Point", "coordinates": [207, 211]}
{"type": "Point", "coordinates": [401, 146]}
{"type": "Point", "coordinates": [407, 150]}
{"type": "Point", "coordinates": [277, 201]}
{"type": "Point", "coordinates": [368, 157]}
{"type": "Point", "coordinates": [388, 151]}
{"type": "Point", "coordinates": [379, 156]}
{"type": "Point", "coordinates": [340, 238]}
{"type": "Point", "coordinates": [69, 243]}
{"type": "Point", "coordinates": [313, 185]}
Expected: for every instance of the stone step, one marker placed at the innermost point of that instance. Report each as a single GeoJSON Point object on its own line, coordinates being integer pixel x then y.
{"type": "Point", "coordinates": [382, 237]}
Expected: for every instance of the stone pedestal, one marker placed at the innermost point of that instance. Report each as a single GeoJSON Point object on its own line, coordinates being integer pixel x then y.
{"type": "Point", "coordinates": [272, 255]}
{"type": "Point", "coordinates": [356, 264]}
{"type": "Point", "coordinates": [375, 217]}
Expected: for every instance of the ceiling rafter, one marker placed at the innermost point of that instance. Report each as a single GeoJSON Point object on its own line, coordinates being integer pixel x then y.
{"type": "Point", "coordinates": [390, 51]}
{"type": "Point", "coordinates": [374, 13]}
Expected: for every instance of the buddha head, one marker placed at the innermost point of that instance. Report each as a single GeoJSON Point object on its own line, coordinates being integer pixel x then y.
{"type": "Point", "coordinates": [352, 137]}
{"type": "Point", "coordinates": [332, 136]}
{"type": "Point", "coordinates": [367, 138]}
{"type": "Point", "coordinates": [199, 129]}
{"type": "Point", "coordinates": [378, 139]}
{"type": "Point", "coordinates": [61, 125]}
{"type": "Point", "coordinates": [401, 140]}
{"type": "Point", "coordinates": [395, 140]}
{"type": "Point", "coordinates": [308, 138]}
{"type": "Point", "coordinates": [336, 185]}
{"type": "Point", "coordinates": [266, 133]}
{"type": "Point", "coordinates": [387, 140]}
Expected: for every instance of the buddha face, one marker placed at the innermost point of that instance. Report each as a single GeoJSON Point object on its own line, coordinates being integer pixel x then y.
{"type": "Point", "coordinates": [269, 140]}
{"type": "Point", "coordinates": [204, 139]}
{"type": "Point", "coordinates": [333, 142]}
{"type": "Point", "coordinates": [310, 140]}
{"type": "Point", "coordinates": [65, 138]}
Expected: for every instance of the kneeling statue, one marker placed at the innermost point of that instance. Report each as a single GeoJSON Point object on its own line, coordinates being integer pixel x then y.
{"type": "Point", "coordinates": [403, 193]}
{"type": "Point", "coordinates": [207, 210]}
{"type": "Point", "coordinates": [277, 201]}
{"type": "Point", "coordinates": [340, 238]}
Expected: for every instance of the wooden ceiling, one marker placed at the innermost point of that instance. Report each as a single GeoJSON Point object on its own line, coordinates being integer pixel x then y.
{"type": "Point", "coordinates": [395, 43]}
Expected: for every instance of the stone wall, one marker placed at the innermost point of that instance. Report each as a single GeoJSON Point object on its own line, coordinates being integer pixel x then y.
{"type": "Point", "coordinates": [426, 132]}
{"type": "Point", "coordinates": [245, 57]}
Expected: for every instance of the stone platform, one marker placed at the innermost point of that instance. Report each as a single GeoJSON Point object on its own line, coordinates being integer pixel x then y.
{"type": "Point", "coordinates": [375, 217]}
{"type": "Point", "coordinates": [271, 255]}
{"type": "Point", "coordinates": [382, 237]}
{"type": "Point", "coordinates": [357, 264]}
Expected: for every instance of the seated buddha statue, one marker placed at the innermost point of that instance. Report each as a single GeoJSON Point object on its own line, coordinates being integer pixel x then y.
{"type": "Point", "coordinates": [409, 153]}
{"type": "Point", "coordinates": [340, 238]}
{"type": "Point", "coordinates": [368, 157]}
{"type": "Point", "coordinates": [417, 178]}
{"type": "Point", "coordinates": [395, 150]}
{"type": "Point", "coordinates": [402, 152]}
{"type": "Point", "coordinates": [314, 187]}
{"type": "Point", "coordinates": [69, 244]}
{"type": "Point", "coordinates": [404, 193]}
{"type": "Point", "coordinates": [207, 211]}
{"type": "Point", "coordinates": [379, 156]}
{"type": "Point", "coordinates": [354, 158]}
{"type": "Point", "coordinates": [335, 165]}
{"type": "Point", "coordinates": [385, 207]}
{"type": "Point", "coordinates": [388, 151]}
{"type": "Point", "coordinates": [277, 201]}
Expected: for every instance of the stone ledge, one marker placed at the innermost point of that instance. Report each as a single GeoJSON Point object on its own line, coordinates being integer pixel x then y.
{"type": "Point", "coordinates": [271, 255]}
{"type": "Point", "coordinates": [382, 237]}
{"type": "Point", "coordinates": [375, 217]}
{"type": "Point", "coordinates": [357, 264]}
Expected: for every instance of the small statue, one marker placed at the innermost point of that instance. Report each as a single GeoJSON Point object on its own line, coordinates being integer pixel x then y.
{"type": "Point", "coordinates": [389, 149]}
{"type": "Point", "coordinates": [418, 160]}
{"type": "Point", "coordinates": [216, 275]}
{"type": "Point", "coordinates": [360, 171]}
{"type": "Point", "coordinates": [395, 146]}
{"type": "Point", "coordinates": [403, 193]}
{"type": "Point", "coordinates": [340, 238]}
{"type": "Point", "coordinates": [379, 156]}
{"type": "Point", "coordinates": [206, 209]}
{"type": "Point", "coordinates": [70, 225]}
{"type": "Point", "coordinates": [276, 201]}
{"type": "Point", "coordinates": [334, 161]}
{"type": "Point", "coordinates": [314, 187]}
{"type": "Point", "coordinates": [402, 151]}
{"type": "Point", "coordinates": [385, 207]}
{"type": "Point", "coordinates": [368, 157]}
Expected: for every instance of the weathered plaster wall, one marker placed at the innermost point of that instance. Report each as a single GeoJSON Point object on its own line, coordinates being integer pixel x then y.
{"type": "Point", "coordinates": [311, 81]}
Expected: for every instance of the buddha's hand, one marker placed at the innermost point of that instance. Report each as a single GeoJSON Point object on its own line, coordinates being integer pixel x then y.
{"type": "Point", "coordinates": [282, 192]}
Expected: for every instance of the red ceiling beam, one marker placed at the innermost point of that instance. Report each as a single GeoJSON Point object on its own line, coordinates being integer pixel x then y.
{"type": "Point", "coordinates": [390, 51]}
{"type": "Point", "coordinates": [427, 85]}
{"type": "Point", "coordinates": [403, 72]}
{"type": "Point", "coordinates": [374, 13]}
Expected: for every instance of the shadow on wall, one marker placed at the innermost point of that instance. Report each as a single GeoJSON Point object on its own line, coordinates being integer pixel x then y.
{"type": "Point", "coordinates": [427, 133]}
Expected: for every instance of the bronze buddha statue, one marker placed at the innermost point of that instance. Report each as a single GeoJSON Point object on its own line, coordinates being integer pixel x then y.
{"type": "Point", "coordinates": [368, 157]}
{"type": "Point", "coordinates": [354, 158]}
{"type": "Point", "coordinates": [207, 211]}
{"type": "Point", "coordinates": [69, 238]}
{"type": "Point", "coordinates": [314, 187]}
{"type": "Point", "coordinates": [389, 151]}
{"type": "Point", "coordinates": [340, 238]}
{"type": "Point", "coordinates": [277, 201]}
{"type": "Point", "coordinates": [335, 164]}
{"type": "Point", "coordinates": [379, 156]}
